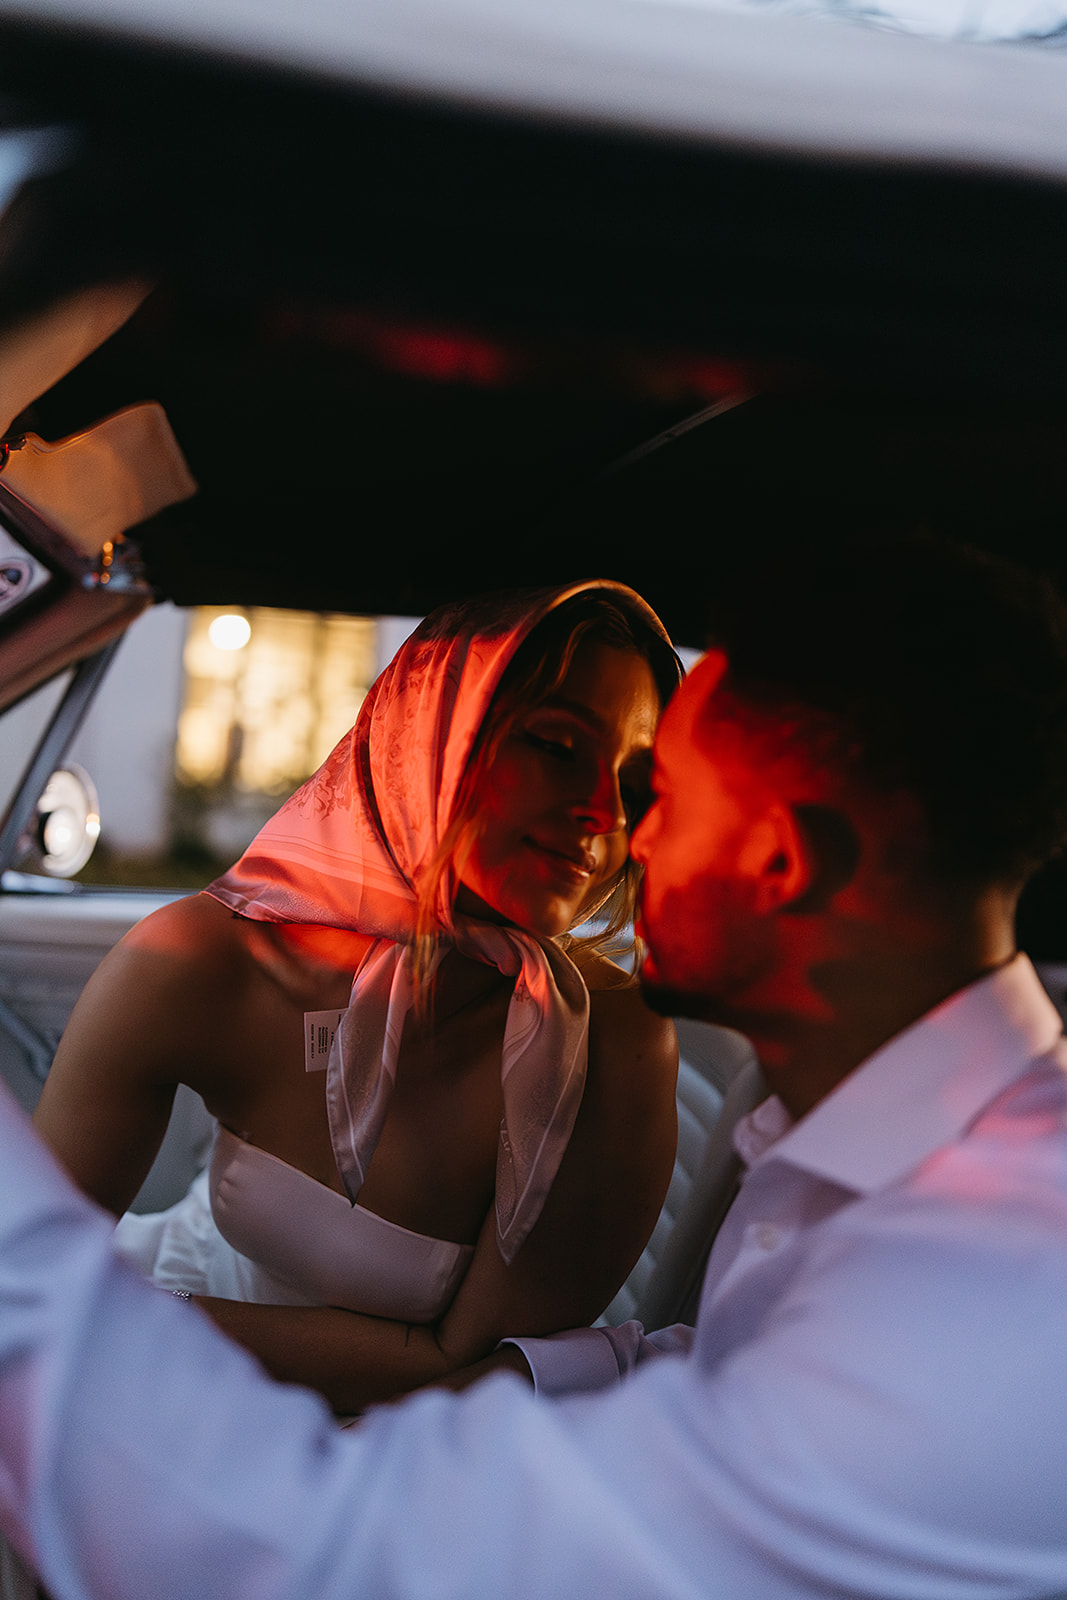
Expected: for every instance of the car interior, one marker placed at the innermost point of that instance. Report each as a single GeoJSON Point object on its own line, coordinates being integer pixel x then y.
{"type": "Point", "coordinates": [387, 346]}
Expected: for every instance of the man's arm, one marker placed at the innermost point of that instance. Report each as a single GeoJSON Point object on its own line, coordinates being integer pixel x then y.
{"type": "Point", "coordinates": [141, 1454]}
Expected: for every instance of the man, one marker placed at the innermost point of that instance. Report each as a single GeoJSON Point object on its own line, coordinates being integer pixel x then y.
{"type": "Point", "coordinates": [850, 792]}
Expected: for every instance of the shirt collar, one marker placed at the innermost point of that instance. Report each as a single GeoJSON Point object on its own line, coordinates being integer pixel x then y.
{"type": "Point", "coordinates": [919, 1091]}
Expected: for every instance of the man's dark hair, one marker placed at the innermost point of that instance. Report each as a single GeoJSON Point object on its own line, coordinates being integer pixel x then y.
{"type": "Point", "coordinates": [946, 671]}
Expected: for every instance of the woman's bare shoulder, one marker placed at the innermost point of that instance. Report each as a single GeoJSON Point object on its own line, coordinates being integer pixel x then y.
{"type": "Point", "coordinates": [203, 942]}
{"type": "Point", "coordinates": [599, 971]}
{"type": "Point", "coordinates": [181, 964]}
{"type": "Point", "coordinates": [192, 941]}
{"type": "Point", "coordinates": [622, 1028]}
{"type": "Point", "coordinates": [615, 992]}
{"type": "Point", "coordinates": [188, 926]}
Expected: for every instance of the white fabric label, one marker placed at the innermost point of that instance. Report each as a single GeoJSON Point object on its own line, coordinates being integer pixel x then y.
{"type": "Point", "coordinates": [319, 1029]}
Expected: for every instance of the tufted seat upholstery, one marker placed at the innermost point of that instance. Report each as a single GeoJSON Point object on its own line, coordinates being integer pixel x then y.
{"type": "Point", "coordinates": [718, 1082]}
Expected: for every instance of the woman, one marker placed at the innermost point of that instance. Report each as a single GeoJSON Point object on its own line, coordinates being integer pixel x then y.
{"type": "Point", "coordinates": [503, 1110]}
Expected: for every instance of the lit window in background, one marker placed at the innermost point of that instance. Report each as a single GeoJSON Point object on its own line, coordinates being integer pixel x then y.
{"type": "Point", "coordinates": [268, 694]}
{"type": "Point", "coordinates": [230, 631]}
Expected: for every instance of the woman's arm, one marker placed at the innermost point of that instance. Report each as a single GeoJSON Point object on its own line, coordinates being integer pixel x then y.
{"type": "Point", "coordinates": [604, 1202]}
{"type": "Point", "coordinates": [105, 1105]}
{"type": "Point", "coordinates": [596, 1220]}
{"type": "Point", "coordinates": [353, 1360]}
{"type": "Point", "coordinates": [194, 995]}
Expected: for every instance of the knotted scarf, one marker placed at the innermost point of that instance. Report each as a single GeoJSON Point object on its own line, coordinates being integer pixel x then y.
{"type": "Point", "coordinates": [349, 849]}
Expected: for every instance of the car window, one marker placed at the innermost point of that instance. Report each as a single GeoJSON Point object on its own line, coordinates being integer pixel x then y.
{"type": "Point", "coordinates": [207, 718]}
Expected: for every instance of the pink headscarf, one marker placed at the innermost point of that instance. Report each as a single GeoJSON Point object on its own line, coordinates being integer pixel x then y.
{"type": "Point", "coordinates": [349, 849]}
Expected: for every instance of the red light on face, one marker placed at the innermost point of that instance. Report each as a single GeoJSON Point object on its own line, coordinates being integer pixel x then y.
{"type": "Point", "coordinates": [697, 913]}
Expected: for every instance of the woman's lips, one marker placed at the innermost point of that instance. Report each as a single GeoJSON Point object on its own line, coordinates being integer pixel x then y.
{"type": "Point", "coordinates": [576, 863]}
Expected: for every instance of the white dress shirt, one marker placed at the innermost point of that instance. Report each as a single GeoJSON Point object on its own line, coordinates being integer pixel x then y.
{"type": "Point", "coordinates": [875, 1403]}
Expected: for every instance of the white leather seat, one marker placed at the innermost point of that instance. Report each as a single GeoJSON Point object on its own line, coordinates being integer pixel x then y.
{"type": "Point", "coordinates": [718, 1081]}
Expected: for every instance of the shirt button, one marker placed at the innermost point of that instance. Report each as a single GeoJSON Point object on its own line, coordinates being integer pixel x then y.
{"type": "Point", "coordinates": [765, 1236]}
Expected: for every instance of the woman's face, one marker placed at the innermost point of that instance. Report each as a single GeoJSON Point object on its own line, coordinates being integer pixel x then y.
{"type": "Point", "coordinates": [556, 805]}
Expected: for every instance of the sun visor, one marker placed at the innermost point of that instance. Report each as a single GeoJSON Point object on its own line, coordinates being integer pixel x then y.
{"type": "Point", "coordinates": [95, 485]}
{"type": "Point", "coordinates": [37, 352]}
{"type": "Point", "coordinates": [69, 581]}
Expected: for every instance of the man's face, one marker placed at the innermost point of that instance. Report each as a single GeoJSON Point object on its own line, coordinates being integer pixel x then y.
{"type": "Point", "coordinates": [709, 953]}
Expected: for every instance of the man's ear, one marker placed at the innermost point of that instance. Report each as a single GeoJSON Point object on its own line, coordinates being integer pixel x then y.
{"type": "Point", "coordinates": [776, 859]}
{"type": "Point", "coordinates": [799, 857]}
{"type": "Point", "coordinates": [833, 850]}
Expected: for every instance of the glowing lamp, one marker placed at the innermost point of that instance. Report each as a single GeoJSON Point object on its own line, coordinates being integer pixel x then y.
{"type": "Point", "coordinates": [230, 631]}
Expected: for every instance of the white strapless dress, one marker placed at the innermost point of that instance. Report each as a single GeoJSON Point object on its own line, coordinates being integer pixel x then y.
{"type": "Point", "coordinates": [254, 1228]}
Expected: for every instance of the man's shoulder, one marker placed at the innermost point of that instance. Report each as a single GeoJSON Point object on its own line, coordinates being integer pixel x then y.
{"type": "Point", "coordinates": [991, 1200]}
{"type": "Point", "coordinates": [1016, 1149]}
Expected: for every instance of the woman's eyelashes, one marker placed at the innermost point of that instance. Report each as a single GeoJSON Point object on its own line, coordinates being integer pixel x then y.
{"type": "Point", "coordinates": [551, 745]}
{"type": "Point", "coordinates": [569, 746]}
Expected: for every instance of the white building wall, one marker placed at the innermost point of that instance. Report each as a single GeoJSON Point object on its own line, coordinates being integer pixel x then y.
{"type": "Point", "coordinates": [392, 632]}
{"type": "Point", "coordinates": [126, 743]}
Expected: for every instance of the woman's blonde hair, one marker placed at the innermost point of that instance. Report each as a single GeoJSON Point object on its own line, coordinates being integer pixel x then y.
{"type": "Point", "coordinates": [534, 674]}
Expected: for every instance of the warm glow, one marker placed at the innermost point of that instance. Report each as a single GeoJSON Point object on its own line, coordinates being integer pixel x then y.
{"type": "Point", "coordinates": [230, 631]}
{"type": "Point", "coordinates": [262, 718]}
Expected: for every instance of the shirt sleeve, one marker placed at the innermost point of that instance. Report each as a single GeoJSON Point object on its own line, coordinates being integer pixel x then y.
{"type": "Point", "coordinates": [584, 1359]}
{"type": "Point", "coordinates": [143, 1454]}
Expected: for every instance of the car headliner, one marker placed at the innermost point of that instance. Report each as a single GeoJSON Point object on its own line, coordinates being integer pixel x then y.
{"type": "Point", "coordinates": [426, 272]}
{"type": "Point", "coordinates": [702, 71]}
